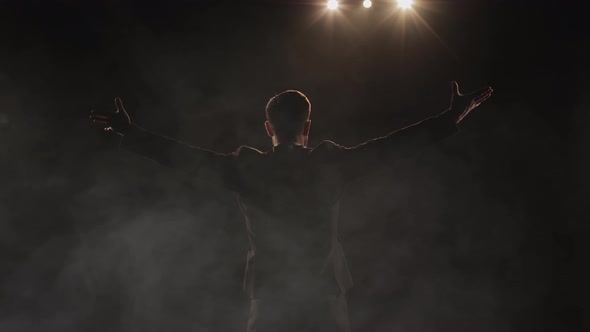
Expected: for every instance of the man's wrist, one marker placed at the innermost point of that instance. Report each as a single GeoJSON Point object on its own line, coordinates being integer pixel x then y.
{"type": "Point", "coordinates": [123, 128]}
{"type": "Point", "coordinates": [449, 117]}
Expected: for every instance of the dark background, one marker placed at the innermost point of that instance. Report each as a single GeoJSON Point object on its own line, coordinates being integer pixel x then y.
{"type": "Point", "coordinates": [484, 232]}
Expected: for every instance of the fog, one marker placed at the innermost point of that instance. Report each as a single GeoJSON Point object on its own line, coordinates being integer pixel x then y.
{"type": "Point", "coordinates": [482, 232]}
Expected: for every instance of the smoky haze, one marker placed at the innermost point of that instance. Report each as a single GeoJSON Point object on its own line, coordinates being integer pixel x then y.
{"type": "Point", "coordinates": [483, 232]}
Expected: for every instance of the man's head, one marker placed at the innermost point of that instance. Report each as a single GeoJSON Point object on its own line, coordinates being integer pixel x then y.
{"type": "Point", "coordinates": [287, 118]}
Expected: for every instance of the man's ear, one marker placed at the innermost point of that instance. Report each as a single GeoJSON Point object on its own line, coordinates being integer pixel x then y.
{"type": "Point", "coordinates": [269, 130]}
{"type": "Point", "coordinates": [306, 128]}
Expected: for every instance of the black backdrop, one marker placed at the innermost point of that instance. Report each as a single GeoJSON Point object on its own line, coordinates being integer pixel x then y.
{"type": "Point", "coordinates": [485, 232]}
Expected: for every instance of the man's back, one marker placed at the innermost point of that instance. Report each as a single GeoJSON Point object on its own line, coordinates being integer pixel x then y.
{"type": "Point", "coordinates": [289, 197]}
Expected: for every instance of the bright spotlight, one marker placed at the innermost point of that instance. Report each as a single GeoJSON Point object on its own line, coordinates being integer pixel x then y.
{"type": "Point", "coordinates": [405, 4]}
{"type": "Point", "coordinates": [332, 4]}
{"type": "Point", "coordinates": [367, 3]}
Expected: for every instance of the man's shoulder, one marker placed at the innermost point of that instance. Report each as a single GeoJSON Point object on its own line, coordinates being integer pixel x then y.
{"type": "Point", "coordinates": [327, 146]}
{"type": "Point", "coordinates": [248, 152]}
{"type": "Point", "coordinates": [245, 151]}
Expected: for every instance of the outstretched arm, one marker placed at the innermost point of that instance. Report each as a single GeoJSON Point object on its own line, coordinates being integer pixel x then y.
{"type": "Point", "coordinates": [357, 161]}
{"type": "Point", "coordinates": [214, 167]}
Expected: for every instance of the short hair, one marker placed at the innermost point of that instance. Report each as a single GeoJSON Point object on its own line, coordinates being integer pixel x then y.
{"type": "Point", "coordinates": [287, 113]}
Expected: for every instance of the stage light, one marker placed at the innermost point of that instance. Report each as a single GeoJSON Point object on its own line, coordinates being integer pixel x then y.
{"type": "Point", "coordinates": [367, 3]}
{"type": "Point", "coordinates": [405, 4]}
{"type": "Point", "coordinates": [332, 4]}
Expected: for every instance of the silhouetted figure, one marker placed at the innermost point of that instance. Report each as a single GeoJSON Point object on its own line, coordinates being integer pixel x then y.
{"type": "Point", "coordinates": [296, 274]}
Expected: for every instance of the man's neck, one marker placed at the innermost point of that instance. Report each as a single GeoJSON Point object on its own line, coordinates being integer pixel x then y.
{"type": "Point", "coordinates": [288, 147]}
{"type": "Point", "coordinates": [300, 141]}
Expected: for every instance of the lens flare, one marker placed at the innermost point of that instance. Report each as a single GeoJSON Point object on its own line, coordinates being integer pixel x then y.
{"type": "Point", "coordinates": [367, 3]}
{"type": "Point", "coordinates": [332, 4]}
{"type": "Point", "coordinates": [405, 4]}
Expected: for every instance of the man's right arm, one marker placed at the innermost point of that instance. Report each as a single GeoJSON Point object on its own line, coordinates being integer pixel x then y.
{"type": "Point", "coordinates": [365, 158]}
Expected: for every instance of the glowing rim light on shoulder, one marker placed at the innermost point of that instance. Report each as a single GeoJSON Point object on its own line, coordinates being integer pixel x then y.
{"type": "Point", "coordinates": [367, 3]}
{"type": "Point", "coordinates": [332, 4]}
{"type": "Point", "coordinates": [405, 4]}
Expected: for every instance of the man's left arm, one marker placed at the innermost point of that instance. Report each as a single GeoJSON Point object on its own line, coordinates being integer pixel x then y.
{"type": "Point", "coordinates": [219, 169]}
{"type": "Point", "coordinates": [209, 166]}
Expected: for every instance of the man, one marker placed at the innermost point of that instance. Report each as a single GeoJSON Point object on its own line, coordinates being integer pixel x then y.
{"type": "Point", "coordinates": [296, 273]}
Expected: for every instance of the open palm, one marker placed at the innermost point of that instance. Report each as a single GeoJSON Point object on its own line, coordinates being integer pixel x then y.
{"type": "Point", "coordinates": [463, 104]}
{"type": "Point", "coordinates": [117, 122]}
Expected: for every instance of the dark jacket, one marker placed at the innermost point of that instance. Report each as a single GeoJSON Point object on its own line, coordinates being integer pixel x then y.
{"type": "Point", "coordinates": [290, 200]}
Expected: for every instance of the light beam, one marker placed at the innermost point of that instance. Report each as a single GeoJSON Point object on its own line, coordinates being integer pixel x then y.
{"type": "Point", "coordinates": [332, 4]}
{"type": "Point", "coordinates": [405, 4]}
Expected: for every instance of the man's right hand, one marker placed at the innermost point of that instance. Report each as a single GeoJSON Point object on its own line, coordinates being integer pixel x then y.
{"type": "Point", "coordinates": [463, 104]}
{"type": "Point", "coordinates": [117, 122]}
